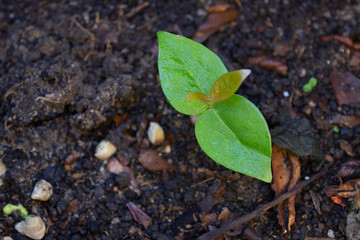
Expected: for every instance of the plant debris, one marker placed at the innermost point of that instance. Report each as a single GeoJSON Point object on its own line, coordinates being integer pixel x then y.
{"type": "Point", "coordinates": [345, 190]}
{"type": "Point", "coordinates": [346, 87]}
{"type": "Point", "coordinates": [269, 64]}
{"type": "Point", "coordinates": [341, 39]}
{"type": "Point", "coordinates": [214, 23]}
{"type": "Point", "coordinates": [139, 216]}
{"type": "Point", "coordinates": [151, 160]}
{"type": "Point", "coordinates": [349, 169]}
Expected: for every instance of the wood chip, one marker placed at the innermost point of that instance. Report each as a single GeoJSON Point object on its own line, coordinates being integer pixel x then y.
{"type": "Point", "coordinates": [345, 145]}
{"type": "Point", "coordinates": [269, 64]}
{"type": "Point", "coordinates": [316, 201]}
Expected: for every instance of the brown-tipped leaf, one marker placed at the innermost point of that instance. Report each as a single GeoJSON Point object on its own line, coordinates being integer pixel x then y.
{"type": "Point", "coordinates": [226, 85]}
{"type": "Point", "coordinates": [199, 97]}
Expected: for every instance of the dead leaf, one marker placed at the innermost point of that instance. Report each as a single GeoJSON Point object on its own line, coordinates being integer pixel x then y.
{"type": "Point", "coordinates": [338, 200]}
{"type": "Point", "coordinates": [269, 64]}
{"type": "Point", "coordinates": [346, 87]}
{"type": "Point", "coordinates": [347, 121]}
{"type": "Point", "coordinates": [345, 191]}
{"type": "Point", "coordinates": [281, 50]}
{"type": "Point", "coordinates": [295, 176]}
{"type": "Point", "coordinates": [341, 39]}
{"type": "Point", "coordinates": [349, 169]}
{"type": "Point", "coordinates": [345, 145]}
{"type": "Point", "coordinates": [225, 215]}
{"type": "Point", "coordinates": [281, 176]}
{"type": "Point", "coordinates": [218, 8]}
{"type": "Point", "coordinates": [139, 216]}
{"type": "Point", "coordinates": [213, 23]}
{"type": "Point", "coordinates": [151, 160]}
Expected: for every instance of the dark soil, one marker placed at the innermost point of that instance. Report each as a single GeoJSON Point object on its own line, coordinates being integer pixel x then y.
{"type": "Point", "coordinates": [69, 68]}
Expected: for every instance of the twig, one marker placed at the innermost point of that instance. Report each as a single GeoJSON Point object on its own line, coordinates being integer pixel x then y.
{"type": "Point", "coordinates": [137, 9]}
{"type": "Point", "coordinates": [92, 37]}
{"type": "Point", "coordinates": [199, 183]}
{"type": "Point", "coordinates": [261, 209]}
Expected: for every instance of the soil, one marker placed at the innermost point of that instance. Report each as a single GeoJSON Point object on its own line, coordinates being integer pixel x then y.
{"type": "Point", "coordinates": [70, 68]}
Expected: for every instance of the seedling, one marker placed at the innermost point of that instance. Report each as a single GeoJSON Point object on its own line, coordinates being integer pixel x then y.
{"type": "Point", "coordinates": [9, 208]}
{"type": "Point", "coordinates": [230, 129]}
{"type": "Point", "coordinates": [336, 129]}
{"type": "Point", "coordinates": [310, 85]}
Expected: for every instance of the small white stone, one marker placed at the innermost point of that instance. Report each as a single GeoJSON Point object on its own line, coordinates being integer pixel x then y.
{"type": "Point", "coordinates": [306, 178]}
{"type": "Point", "coordinates": [155, 133]}
{"type": "Point", "coordinates": [7, 238]}
{"type": "Point", "coordinates": [331, 234]}
{"type": "Point", "coordinates": [2, 168]}
{"type": "Point", "coordinates": [104, 150]}
{"type": "Point", "coordinates": [33, 227]}
{"type": "Point", "coordinates": [286, 94]}
{"type": "Point", "coordinates": [42, 191]}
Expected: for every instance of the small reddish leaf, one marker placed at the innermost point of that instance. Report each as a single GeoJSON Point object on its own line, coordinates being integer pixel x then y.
{"type": "Point", "coordinates": [341, 39]}
{"type": "Point", "coordinates": [213, 23]}
{"type": "Point", "coordinates": [346, 87]}
{"type": "Point", "coordinates": [199, 97]}
{"type": "Point", "coordinates": [151, 160]}
{"type": "Point", "coordinates": [350, 168]}
{"type": "Point", "coordinates": [269, 63]}
{"type": "Point", "coordinates": [139, 216]}
{"type": "Point", "coordinates": [209, 219]}
{"type": "Point", "coordinates": [345, 191]}
{"type": "Point", "coordinates": [227, 84]}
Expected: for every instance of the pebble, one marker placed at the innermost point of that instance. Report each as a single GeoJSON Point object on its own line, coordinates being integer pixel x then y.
{"type": "Point", "coordinates": [104, 150]}
{"type": "Point", "coordinates": [331, 234]}
{"type": "Point", "coordinates": [42, 191]}
{"type": "Point", "coordinates": [286, 94]}
{"type": "Point", "coordinates": [115, 220]}
{"type": "Point", "coordinates": [155, 133]}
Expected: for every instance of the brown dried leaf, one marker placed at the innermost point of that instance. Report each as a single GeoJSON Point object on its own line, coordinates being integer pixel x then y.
{"type": "Point", "coordinates": [139, 216]}
{"type": "Point", "coordinates": [345, 191]}
{"type": "Point", "coordinates": [218, 8]}
{"type": "Point", "coordinates": [341, 39]}
{"type": "Point", "coordinates": [281, 176]}
{"type": "Point", "coordinates": [295, 176]}
{"type": "Point", "coordinates": [348, 169]}
{"type": "Point", "coordinates": [213, 23]}
{"type": "Point", "coordinates": [118, 119]}
{"type": "Point", "coordinates": [347, 121]}
{"type": "Point", "coordinates": [346, 87]}
{"type": "Point", "coordinates": [269, 64]}
{"type": "Point", "coordinates": [225, 215]}
{"type": "Point", "coordinates": [345, 145]}
{"type": "Point", "coordinates": [151, 160]}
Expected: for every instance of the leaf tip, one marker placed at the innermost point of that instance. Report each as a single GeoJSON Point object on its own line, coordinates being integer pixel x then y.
{"type": "Point", "coordinates": [246, 73]}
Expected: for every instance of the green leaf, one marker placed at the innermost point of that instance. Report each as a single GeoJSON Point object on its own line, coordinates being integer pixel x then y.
{"type": "Point", "coordinates": [227, 84]}
{"type": "Point", "coordinates": [185, 67]}
{"type": "Point", "coordinates": [235, 134]}
{"type": "Point", "coordinates": [199, 97]}
{"type": "Point", "coordinates": [310, 85]}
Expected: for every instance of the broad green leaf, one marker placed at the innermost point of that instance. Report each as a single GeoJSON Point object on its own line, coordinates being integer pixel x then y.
{"type": "Point", "coordinates": [235, 134]}
{"type": "Point", "coordinates": [185, 67]}
{"type": "Point", "coordinates": [227, 84]}
{"type": "Point", "coordinates": [199, 97]}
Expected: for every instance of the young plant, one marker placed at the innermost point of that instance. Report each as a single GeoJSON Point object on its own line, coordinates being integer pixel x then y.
{"type": "Point", "coordinates": [9, 208]}
{"type": "Point", "coordinates": [310, 85]}
{"type": "Point", "coordinates": [230, 129]}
